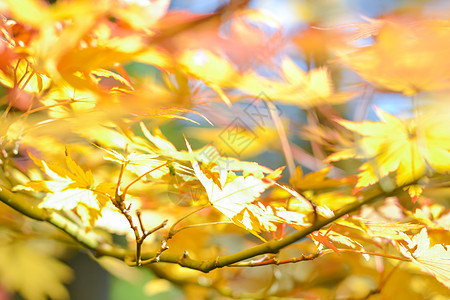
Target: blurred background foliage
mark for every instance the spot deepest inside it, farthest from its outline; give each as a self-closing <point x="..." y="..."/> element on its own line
<point x="297" y="37"/>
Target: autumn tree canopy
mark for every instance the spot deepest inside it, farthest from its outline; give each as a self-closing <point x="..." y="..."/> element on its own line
<point x="228" y="154"/>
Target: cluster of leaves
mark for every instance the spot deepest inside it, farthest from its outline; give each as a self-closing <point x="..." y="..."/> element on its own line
<point x="82" y="148"/>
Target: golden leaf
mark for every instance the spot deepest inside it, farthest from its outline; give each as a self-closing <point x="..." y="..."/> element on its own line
<point x="36" y="275"/>
<point x="408" y="148"/>
<point x="406" y="57"/>
<point x="434" y="260"/>
<point x="234" y="195"/>
<point x="213" y="69"/>
<point x="300" y="88"/>
<point x="315" y="180"/>
<point x="69" y="188"/>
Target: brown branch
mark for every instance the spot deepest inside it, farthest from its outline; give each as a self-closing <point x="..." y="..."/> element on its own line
<point x="275" y="261"/>
<point x="89" y="240"/>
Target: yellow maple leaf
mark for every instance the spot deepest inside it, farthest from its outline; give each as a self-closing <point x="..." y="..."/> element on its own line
<point x="333" y="200"/>
<point x="64" y="101"/>
<point x="233" y="195"/>
<point x="26" y="267"/>
<point x="207" y="154"/>
<point x="301" y="88"/>
<point x="216" y="71"/>
<point x="406" y="57"/>
<point x="434" y="260"/>
<point x="388" y="230"/>
<point x="138" y="163"/>
<point x="414" y="191"/>
<point x="409" y="148"/>
<point x="236" y="197"/>
<point x="315" y="180"/>
<point x="31" y="82"/>
<point x="70" y="188"/>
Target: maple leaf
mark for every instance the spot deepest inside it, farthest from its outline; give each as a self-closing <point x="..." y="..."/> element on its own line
<point x="322" y="238"/>
<point x="70" y="188"/>
<point x="406" y="57"/>
<point x="65" y="101"/>
<point x="434" y="217"/>
<point x="32" y="81"/>
<point x="315" y="180"/>
<point x="392" y="231"/>
<point x="213" y="69"/>
<point x="300" y="88"/>
<point x="75" y="38"/>
<point x="407" y="147"/>
<point x="234" y="196"/>
<point x="317" y="44"/>
<point x="434" y="260"/>
<point x="138" y="163"/>
<point x="27" y="267"/>
<point x="207" y="154"/>
<point x="414" y="191"/>
<point x="255" y="218"/>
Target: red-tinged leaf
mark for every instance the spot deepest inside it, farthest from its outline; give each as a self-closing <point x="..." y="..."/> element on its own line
<point x="323" y="239"/>
<point x="214" y="176"/>
<point x="414" y="191"/>
<point x="6" y="56"/>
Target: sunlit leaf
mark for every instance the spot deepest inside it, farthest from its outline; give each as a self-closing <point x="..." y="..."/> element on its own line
<point x="321" y="237"/>
<point x="407" y="147"/>
<point x="406" y="57"/>
<point x="214" y="70"/>
<point x="301" y="88"/>
<point x="315" y="180"/>
<point x="70" y="187"/>
<point x="434" y="260"/>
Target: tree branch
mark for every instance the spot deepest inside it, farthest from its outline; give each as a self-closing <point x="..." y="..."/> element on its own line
<point x="90" y="241"/>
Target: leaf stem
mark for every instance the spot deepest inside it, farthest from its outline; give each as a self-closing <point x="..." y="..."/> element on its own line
<point x="142" y="176"/>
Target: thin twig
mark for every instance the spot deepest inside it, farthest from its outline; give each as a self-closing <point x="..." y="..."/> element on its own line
<point x="275" y="261"/>
<point x="283" y="137"/>
<point x="172" y="230"/>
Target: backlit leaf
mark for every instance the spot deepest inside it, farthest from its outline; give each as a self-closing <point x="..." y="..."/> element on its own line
<point x="70" y="187"/>
<point x="434" y="260"/>
<point x="407" y="57"/>
<point x="407" y="147"/>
